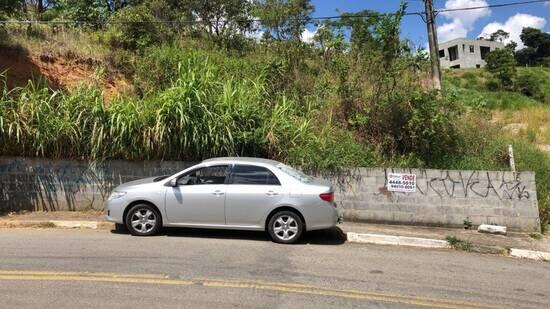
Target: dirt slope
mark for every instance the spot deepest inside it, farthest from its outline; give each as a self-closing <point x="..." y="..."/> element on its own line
<point x="58" y="71"/>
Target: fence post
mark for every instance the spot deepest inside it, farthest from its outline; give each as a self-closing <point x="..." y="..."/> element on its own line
<point x="511" y="158"/>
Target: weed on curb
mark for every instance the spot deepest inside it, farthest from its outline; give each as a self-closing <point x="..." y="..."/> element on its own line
<point x="459" y="244"/>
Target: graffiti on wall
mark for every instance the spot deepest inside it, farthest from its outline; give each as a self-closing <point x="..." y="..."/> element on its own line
<point x="49" y="185"/>
<point x="474" y="184"/>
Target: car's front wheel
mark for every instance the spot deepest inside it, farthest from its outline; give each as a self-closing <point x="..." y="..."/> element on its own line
<point x="285" y="227"/>
<point x="143" y="220"/>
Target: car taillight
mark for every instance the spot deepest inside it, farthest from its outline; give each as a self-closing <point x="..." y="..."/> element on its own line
<point x="329" y="197"/>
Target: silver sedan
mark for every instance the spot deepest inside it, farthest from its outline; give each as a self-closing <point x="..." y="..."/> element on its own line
<point x="227" y="193"/>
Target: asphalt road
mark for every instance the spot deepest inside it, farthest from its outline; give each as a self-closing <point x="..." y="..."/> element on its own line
<point x="53" y="268"/>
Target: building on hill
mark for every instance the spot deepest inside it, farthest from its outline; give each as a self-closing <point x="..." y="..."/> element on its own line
<point x="465" y="53"/>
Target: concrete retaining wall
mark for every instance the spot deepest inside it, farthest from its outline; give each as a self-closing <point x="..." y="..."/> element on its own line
<point x="442" y="197"/>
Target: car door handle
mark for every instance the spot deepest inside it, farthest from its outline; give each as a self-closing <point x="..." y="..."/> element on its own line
<point x="217" y="193"/>
<point x="271" y="193"/>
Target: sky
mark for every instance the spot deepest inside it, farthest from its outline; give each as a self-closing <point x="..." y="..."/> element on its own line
<point x="450" y="25"/>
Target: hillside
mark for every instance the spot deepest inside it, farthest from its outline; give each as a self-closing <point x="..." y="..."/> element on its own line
<point x="514" y="114"/>
<point x="189" y="97"/>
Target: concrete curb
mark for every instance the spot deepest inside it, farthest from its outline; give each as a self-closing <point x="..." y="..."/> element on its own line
<point x="529" y="254"/>
<point x="380" y="239"/>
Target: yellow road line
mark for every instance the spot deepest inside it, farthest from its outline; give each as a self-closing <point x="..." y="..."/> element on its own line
<point x="349" y="293"/>
<point x="242" y="284"/>
<point x="96" y="279"/>
<point x="98" y="274"/>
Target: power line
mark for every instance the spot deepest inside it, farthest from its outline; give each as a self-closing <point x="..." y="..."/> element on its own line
<point x="258" y="20"/>
<point x="490" y="6"/>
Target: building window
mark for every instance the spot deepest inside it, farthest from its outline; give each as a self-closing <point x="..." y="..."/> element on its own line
<point x="453" y="53"/>
<point x="472" y="49"/>
<point x="484" y="50"/>
<point x="441" y="53"/>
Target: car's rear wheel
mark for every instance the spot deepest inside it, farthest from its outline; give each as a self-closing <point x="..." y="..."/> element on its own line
<point x="143" y="220"/>
<point x="285" y="227"/>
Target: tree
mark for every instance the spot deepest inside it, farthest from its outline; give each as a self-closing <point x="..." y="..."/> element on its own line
<point x="222" y="18"/>
<point x="526" y="56"/>
<point x="511" y="46"/>
<point x="329" y="40"/>
<point x="530" y="84"/>
<point x="501" y="63"/>
<point x="537" y="47"/>
<point x="287" y="19"/>
<point x="83" y="12"/>
<point x="499" y="36"/>
<point x="10" y="7"/>
<point x="134" y="27"/>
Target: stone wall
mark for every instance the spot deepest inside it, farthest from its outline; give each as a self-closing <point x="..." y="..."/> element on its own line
<point x="442" y="197"/>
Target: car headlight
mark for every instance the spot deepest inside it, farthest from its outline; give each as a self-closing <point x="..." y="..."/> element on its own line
<point x="116" y="194"/>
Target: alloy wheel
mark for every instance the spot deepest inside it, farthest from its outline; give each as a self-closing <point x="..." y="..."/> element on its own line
<point x="285" y="228"/>
<point x="143" y="220"/>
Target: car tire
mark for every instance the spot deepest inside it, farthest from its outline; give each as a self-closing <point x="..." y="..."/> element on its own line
<point x="285" y="227"/>
<point x="143" y="220"/>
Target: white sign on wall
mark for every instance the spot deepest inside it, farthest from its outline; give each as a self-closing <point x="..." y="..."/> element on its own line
<point x="401" y="182"/>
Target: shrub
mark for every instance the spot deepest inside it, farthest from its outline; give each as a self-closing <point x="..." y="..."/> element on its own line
<point x="529" y="158"/>
<point x="501" y="63"/>
<point x="158" y="67"/>
<point x="530" y="84"/>
<point x="418" y="124"/>
<point x="492" y="84"/>
<point x="331" y="149"/>
<point x="458" y="243"/>
<point x="134" y="27"/>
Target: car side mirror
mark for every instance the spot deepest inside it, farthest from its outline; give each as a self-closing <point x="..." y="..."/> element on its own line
<point x="172" y="183"/>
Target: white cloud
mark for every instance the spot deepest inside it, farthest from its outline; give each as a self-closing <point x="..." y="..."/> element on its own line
<point x="452" y="30"/>
<point x="513" y="26"/>
<point x="307" y="35"/>
<point x="461" y="22"/>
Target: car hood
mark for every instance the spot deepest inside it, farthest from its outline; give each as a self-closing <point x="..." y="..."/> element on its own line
<point x="130" y="184"/>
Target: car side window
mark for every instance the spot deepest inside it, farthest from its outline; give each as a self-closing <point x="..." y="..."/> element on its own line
<point x="253" y="175"/>
<point x="210" y="175"/>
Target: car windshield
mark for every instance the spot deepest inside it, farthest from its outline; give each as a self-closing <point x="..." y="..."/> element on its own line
<point x="294" y="173"/>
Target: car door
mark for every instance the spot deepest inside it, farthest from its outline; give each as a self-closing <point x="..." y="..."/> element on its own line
<point x="198" y="197"/>
<point x="251" y="192"/>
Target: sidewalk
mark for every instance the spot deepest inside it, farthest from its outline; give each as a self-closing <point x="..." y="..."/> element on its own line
<point x="92" y="219"/>
<point x="511" y="240"/>
<point x="515" y="244"/>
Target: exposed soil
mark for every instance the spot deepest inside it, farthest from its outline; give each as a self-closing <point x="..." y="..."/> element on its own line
<point x="58" y="71"/>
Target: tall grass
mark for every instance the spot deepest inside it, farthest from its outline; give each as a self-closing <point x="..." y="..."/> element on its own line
<point x="198" y="115"/>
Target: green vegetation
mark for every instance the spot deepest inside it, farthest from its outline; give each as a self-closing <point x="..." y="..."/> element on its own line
<point x="537" y="50"/>
<point x="492" y="112"/>
<point x="502" y="65"/>
<point x="458" y="243"/>
<point x="356" y="95"/>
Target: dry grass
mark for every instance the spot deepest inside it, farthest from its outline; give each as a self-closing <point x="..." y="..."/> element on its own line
<point x="534" y="123"/>
<point x="57" y="40"/>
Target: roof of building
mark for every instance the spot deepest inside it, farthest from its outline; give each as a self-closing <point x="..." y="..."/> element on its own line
<point x="466" y="40"/>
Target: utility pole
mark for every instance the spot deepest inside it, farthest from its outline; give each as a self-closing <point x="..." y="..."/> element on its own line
<point x="434" y="47"/>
